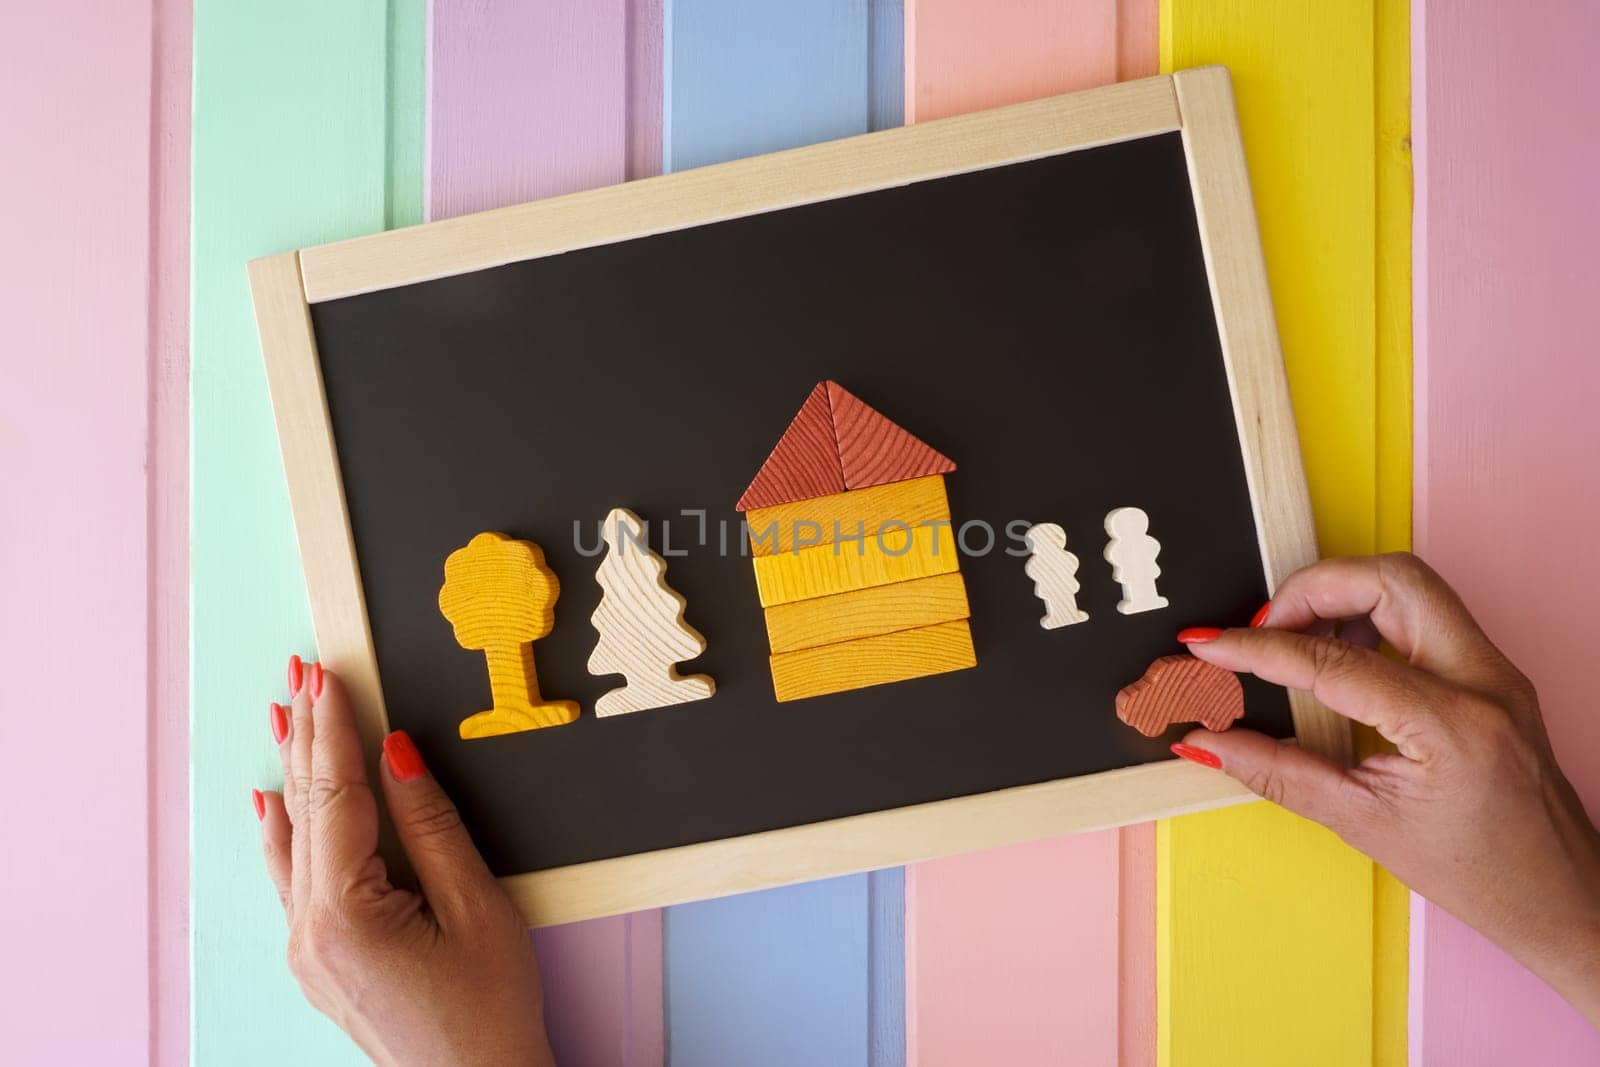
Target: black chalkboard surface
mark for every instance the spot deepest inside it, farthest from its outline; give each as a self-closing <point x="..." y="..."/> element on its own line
<point x="1066" y="297"/>
<point x="1046" y="324"/>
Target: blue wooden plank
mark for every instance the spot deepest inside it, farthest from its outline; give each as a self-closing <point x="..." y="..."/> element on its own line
<point x="812" y="973"/>
<point x="743" y="77"/>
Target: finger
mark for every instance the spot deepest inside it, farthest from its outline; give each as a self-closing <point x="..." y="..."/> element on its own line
<point x="1286" y="774"/>
<point x="1403" y="704"/>
<point x="296" y="753"/>
<point x="448" y="865"/>
<point x="276" y="845"/>
<point x="344" y="813"/>
<point x="1408" y="603"/>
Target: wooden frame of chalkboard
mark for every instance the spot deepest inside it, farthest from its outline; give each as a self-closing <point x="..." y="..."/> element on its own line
<point x="1198" y="103"/>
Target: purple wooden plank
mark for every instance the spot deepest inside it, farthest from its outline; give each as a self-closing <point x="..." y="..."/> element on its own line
<point x="527" y="101"/>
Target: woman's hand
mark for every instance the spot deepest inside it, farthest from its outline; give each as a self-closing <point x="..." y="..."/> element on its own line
<point x="1473" y="812"/>
<point x="441" y="976"/>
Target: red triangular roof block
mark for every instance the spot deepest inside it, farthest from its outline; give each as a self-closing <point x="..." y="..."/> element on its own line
<point x="875" y="451"/>
<point x="836" y="442"/>
<point x="805" y="461"/>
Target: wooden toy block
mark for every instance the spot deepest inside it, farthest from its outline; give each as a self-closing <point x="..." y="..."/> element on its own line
<point x="872" y="449"/>
<point x="640" y="621"/>
<point x="1181" y="689"/>
<point x="1132" y="552"/>
<point x="1054" y="571"/>
<point x="824" y="570"/>
<point x="893" y="657"/>
<point x="805" y="461"/>
<point x="915" y="503"/>
<point x="500" y="596"/>
<point x="881" y="609"/>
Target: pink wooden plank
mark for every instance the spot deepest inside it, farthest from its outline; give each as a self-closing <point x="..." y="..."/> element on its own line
<point x="528" y="101"/>
<point x="1507" y="494"/>
<point x="1047" y="949"/>
<point x="1011" y="955"/>
<point x="168" y="476"/>
<point x="75" y="531"/>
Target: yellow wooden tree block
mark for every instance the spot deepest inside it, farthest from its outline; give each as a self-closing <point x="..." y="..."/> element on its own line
<point x="869" y="661"/>
<point x="774" y="530"/>
<point x="824" y="570"/>
<point x="880" y="609"/>
<point x="499" y="596"/>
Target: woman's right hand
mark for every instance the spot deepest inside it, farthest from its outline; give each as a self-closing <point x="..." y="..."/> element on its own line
<point x="1472" y="812"/>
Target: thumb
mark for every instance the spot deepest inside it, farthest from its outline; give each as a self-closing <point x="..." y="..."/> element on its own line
<point x="1289" y="776"/>
<point x="448" y="866"/>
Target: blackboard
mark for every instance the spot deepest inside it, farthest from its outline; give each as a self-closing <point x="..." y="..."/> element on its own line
<point x="1049" y="323"/>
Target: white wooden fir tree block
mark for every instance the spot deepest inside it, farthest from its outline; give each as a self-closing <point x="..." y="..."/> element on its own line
<point x="640" y="621"/>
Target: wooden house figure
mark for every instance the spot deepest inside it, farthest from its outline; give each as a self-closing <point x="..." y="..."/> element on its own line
<point x="855" y="555"/>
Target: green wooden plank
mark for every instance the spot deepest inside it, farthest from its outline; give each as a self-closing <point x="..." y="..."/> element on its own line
<point x="294" y="144"/>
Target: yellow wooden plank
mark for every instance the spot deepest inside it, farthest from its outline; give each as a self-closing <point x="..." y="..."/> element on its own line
<point x="1275" y="942"/>
<point x="873" y="661"/>
<point x="881" y="609"/>
<point x="898" y="555"/>
<point x="917" y="502"/>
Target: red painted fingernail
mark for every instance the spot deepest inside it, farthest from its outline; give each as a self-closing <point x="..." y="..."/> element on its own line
<point x="1198" y="635"/>
<point x="260" y="802"/>
<point x="1197" y="755"/>
<point x="316" y="681"/>
<point x="405" y="762"/>
<point x="1259" y="619"/>
<point x="280" y="722"/>
<point x="296" y="676"/>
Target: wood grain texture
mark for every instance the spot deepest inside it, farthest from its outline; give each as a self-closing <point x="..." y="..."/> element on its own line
<point x="1132" y="553"/>
<point x="817" y="521"/>
<point x="805" y="461"/>
<point x="801" y="943"/>
<point x="1506" y="386"/>
<point x="310" y="80"/>
<point x="1181" y="689"/>
<point x="525" y="101"/>
<point x="869" y="661"/>
<point x="640" y="622"/>
<point x="1305" y="79"/>
<point x="892" y="554"/>
<point x="82" y="533"/>
<point x="874" y="450"/>
<point x="1054" y="571"/>
<point x="866" y="613"/>
<point x="962" y="57"/>
<point x="603" y="978"/>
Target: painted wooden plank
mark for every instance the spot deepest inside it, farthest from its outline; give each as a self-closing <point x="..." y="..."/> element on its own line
<point x="1238" y="891"/>
<point x="868" y="661"/>
<point x="527" y="101"/>
<point x="169" y="496"/>
<point x="75" y="205"/>
<point x="1015" y="974"/>
<point x="961" y="57"/>
<point x="786" y="527"/>
<point x="867" y="613"/>
<point x="290" y="118"/>
<point x="741" y="78"/>
<point x="897" y="554"/>
<point x="1505" y="393"/>
<point x="964" y="992"/>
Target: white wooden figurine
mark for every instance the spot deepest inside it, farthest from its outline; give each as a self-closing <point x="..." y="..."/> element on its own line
<point x="640" y="621"/>
<point x="1054" y="571"/>
<point x="1132" y="554"/>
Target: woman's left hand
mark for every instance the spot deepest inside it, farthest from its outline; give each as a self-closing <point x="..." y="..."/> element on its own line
<point x="442" y="975"/>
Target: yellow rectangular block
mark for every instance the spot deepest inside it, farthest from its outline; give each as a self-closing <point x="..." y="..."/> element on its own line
<point x="824" y="570"/>
<point x="881" y="609"/>
<point x="914" y="503"/>
<point x="877" y="660"/>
